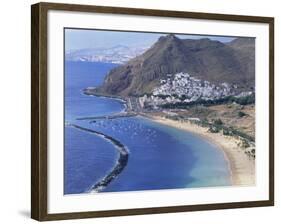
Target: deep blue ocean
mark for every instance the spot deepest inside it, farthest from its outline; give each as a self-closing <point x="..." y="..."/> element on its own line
<point x="160" y="157"/>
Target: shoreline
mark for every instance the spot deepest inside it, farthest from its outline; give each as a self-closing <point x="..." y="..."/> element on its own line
<point x="241" y="167"/>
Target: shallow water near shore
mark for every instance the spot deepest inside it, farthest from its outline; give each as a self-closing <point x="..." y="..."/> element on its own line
<point x="160" y="157"/>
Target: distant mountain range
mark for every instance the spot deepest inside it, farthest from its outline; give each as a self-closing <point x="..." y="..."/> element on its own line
<point x="204" y="59"/>
<point x="118" y="54"/>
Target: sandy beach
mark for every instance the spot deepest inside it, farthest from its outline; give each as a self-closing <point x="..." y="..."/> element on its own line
<point x="241" y="166"/>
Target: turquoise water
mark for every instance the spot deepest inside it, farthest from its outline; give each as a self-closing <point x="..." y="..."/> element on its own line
<point x="160" y="157"/>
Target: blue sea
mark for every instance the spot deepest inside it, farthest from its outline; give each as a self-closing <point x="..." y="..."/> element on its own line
<point x="160" y="157"/>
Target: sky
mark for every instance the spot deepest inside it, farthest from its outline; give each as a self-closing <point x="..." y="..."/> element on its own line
<point x="76" y="39"/>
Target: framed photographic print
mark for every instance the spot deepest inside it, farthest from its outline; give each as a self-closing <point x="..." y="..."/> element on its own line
<point x="138" y="111"/>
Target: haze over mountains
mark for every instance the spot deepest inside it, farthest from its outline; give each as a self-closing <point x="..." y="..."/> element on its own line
<point x="203" y="59"/>
<point x="118" y="54"/>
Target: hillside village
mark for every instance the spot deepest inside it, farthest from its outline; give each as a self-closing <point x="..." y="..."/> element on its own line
<point x="182" y="87"/>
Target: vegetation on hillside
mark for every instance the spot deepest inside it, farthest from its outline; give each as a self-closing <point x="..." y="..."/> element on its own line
<point x="226" y="100"/>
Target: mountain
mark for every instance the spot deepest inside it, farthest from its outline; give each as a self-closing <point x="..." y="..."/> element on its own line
<point x="204" y="59"/>
<point x="118" y="54"/>
<point x="244" y="49"/>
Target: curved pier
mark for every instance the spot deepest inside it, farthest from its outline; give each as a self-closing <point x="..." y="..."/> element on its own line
<point x="120" y="164"/>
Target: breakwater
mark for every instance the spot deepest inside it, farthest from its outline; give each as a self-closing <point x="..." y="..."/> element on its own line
<point x="120" y="164"/>
<point x="121" y="115"/>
